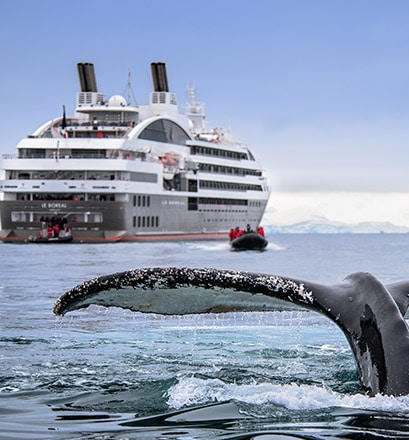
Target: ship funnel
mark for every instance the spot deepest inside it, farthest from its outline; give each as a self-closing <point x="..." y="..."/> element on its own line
<point x="159" y="77"/>
<point x="86" y="76"/>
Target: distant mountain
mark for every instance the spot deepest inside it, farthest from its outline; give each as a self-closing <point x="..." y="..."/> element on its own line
<point x="324" y="226"/>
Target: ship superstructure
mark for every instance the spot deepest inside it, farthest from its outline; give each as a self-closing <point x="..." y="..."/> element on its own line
<point x="115" y="171"/>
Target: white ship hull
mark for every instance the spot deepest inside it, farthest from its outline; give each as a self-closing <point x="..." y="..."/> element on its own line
<point x="114" y="172"/>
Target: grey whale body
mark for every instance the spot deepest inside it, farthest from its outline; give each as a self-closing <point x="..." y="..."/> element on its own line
<point x="370" y="314"/>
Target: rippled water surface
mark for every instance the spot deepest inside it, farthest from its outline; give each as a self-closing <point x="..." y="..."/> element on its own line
<point x="109" y="373"/>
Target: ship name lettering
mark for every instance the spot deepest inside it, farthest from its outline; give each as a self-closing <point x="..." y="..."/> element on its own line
<point x="55" y="205"/>
<point x="173" y="202"/>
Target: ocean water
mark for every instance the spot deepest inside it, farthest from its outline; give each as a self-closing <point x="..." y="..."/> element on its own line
<point x="113" y="374"/>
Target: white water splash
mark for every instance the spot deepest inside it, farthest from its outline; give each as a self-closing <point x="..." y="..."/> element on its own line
<point x="209" y="246"/>
<point x="193" y="391"/>
<point x="275" y="247"/>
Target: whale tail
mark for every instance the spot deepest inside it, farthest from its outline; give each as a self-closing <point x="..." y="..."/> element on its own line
<point x="369" y="314"/>
<point x="400" y="294"/>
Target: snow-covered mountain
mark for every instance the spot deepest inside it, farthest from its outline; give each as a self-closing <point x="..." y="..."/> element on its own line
<point x="320" y="225"/>
<point x="338" y="212"/>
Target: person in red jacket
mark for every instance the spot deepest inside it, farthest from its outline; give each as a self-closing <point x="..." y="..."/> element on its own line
<point x="260" y="230"/>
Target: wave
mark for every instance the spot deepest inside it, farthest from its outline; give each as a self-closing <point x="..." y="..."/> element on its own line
<point x="193" y="391"/>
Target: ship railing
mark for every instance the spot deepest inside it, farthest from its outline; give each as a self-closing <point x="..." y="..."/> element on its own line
<point x="65" y="156"/>
<point x="102" y="123"/>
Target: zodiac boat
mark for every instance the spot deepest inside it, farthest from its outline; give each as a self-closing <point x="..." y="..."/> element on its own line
<point x="49" y="240"/>
<point x="250" y="241"/>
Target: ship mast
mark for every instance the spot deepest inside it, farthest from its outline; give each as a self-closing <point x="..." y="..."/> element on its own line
<point x="128" y="90"/>
<point x="195" y="111"/>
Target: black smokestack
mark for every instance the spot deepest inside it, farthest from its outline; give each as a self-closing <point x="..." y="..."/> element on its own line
<point x="159" y="77"/>
<point x="86" y="76"/>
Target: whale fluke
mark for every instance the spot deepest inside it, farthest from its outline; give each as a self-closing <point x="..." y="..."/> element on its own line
<point x="370" y="314"/>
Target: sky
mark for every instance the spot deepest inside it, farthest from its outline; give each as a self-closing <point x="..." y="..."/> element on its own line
<point x="317" y="88"/>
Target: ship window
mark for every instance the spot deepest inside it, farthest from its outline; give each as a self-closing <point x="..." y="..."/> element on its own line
<point x="36" y="217"/>
<point x="211" y="201"/>
<point x="143" y="200"/>
<point x="215" y="151"/>
<point x="98" y="218"/>
<point x="229" y="186"/>
<point x="18" y="217"/>
<point x="192" y="204"/>
<point x="88" y="153"/>
<point x="164" y="130"/>
<point x="31" y="153"/>
<point x="192" y="186"/>
<point x="88" y="217"/>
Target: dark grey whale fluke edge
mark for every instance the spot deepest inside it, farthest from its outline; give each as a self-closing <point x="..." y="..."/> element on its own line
<point x="370" y="314"/>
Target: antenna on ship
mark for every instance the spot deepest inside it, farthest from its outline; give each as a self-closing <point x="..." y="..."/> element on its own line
<point x="128" y="90"/>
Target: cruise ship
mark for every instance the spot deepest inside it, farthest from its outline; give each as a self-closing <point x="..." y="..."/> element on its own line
<point x="117" y="171"/>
